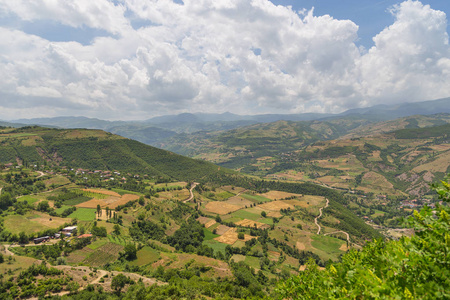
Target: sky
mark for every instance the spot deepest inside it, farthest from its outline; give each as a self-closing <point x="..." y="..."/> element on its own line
<point x="136" y="59"/>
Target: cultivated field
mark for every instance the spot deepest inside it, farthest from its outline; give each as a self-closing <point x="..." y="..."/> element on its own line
<point x="252" y="224"/>
<point x="221" y="208"/>
<point x="231" y="236"/>
<point x="276" y="206"/>
<point x="274" y="195"/>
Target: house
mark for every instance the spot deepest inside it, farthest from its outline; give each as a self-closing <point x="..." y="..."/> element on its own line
<point x="68" y="230"/>
<point x="41" y="239"/>
<point x="86" y="235"/>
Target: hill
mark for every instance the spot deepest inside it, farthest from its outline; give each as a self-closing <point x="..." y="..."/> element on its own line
<point x="95" y="149"/>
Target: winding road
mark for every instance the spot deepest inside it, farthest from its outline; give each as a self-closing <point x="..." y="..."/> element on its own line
<point x="190" y="191"/>
<point x="320" y="214"/>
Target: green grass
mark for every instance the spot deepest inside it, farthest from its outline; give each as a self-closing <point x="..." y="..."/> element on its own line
<point x="29" y="199"/>
<point x="77" y="200"/>
<point x="123" y="192"/>
<point x="62" y="208"/>
<point x="16" y="224"/>
<point x="117" y="240"/>
<point x="209" y="235"/>
<point x="243" y="214"/>
<point x="91" y="195"/>
<point x="255" y="198"/>
<point x="84" y="214"/>
<point x="217" y="246"/>
<point x="328" y="246"/>
<point x="223" y="195"/>
<point x="145" y="256"/>
<point x="252" y="262"/>
<point x="97" y="244"/>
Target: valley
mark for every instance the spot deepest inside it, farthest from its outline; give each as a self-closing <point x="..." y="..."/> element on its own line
<point x="280" y="196"/>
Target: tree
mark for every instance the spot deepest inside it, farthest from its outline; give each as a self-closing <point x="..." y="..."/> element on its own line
<point x="130" y="252"/>
<point x="116" y="229"/>
<point x="23" y="238"/>
<point x="43" y="206"/>
<point x="413" y="267"/>
<point x="99" y="211"/>
<point x="6" y="200"/>
<point x="118" y="282"/>
<point x="263" y="214"/>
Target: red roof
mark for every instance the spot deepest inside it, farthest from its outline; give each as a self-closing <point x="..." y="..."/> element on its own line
<point x="84" y="235"/>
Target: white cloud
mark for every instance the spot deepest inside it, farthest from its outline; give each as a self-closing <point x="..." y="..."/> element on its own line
<point x="213" y="56"/>
<point x="101" y="14"/>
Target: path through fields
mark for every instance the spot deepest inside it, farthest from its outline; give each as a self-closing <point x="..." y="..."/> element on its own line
<point x="320" y="214"/>
<point x="190" y="191"/>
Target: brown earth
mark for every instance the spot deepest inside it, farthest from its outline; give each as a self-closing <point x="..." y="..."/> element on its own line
<point x="231" y="236"/>
<point x="275" y="206"/>
<point x="221" y="229"/>
<point x="221" y="208"/>
<point x="250" y="223"/>
<point x="274" y="195"/>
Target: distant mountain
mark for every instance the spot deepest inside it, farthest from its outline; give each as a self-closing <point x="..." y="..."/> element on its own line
<point x="162" y="131"/>
<point x="390" y="112"/>
<point x="72" y="122"/>
<point x="230" y="117"/>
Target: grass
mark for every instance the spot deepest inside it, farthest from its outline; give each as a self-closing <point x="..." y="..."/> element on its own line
<point x="84" y="214"/>
<point x="209" y="235"/>
<point x="62" y="208"/>
<point x="77" y="200"/>
<point x="223" y="195"/>
<point x="145" y="256"/>
<point x="117" y="240"/>
<point x="252" y="262"/>
<point x="244" y="214"/>
<point x="123" y="192"/>
<point x="217" y="246"/>
<point x="97" y="244"/>
<point x="255" y="198"/>
<point x="16" y="224"/>
<point x="91" y="195"/>
<point x="328" y="246"/>
<point x="57" y="181"/>
<point x="29" y="199"/>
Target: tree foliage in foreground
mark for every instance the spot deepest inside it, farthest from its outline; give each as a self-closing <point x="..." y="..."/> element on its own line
<point x="416" y="267"/>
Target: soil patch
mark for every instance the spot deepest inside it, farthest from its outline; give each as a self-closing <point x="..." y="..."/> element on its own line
<point x="252" y="224"/>
<point x="221" y="229"/>
<point x="241" y="202"/>
<point x="231" y="236"/>
<point x="221" y="208"/>
<point x="275" y="206"/>
<point x="274" y="195"/>
<point x="300" y="246"/>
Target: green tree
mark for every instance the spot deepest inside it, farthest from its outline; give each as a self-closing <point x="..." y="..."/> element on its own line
<point x="43" y="206"/>
<point x="23" y="238"/>
<point x="130" y="251"/>
<point x="116" y="229"/>
<point x="414" y="267"/>
<point x="99" y="211"/>
<point x="118" y="282"/>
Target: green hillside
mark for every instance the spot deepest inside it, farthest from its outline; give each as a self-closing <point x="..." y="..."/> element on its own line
<point x="95" y="149"/>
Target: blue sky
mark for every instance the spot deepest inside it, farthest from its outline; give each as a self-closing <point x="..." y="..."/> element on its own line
<point x="134" y="59"/>
<point x="372" y="16"/>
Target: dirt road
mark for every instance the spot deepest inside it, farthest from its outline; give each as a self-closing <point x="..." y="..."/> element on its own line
<point x="320" y="214"/>
<point x="190" y="191"/>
